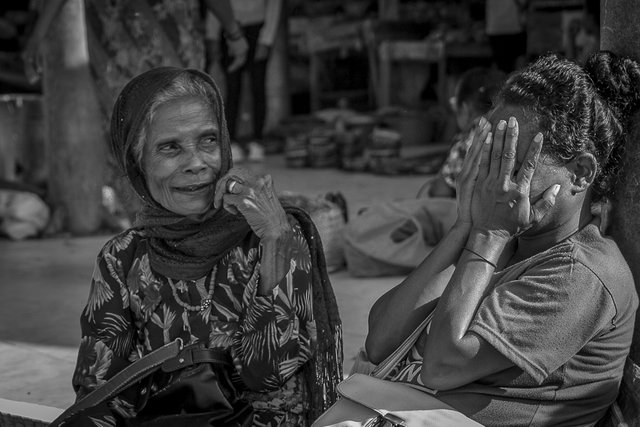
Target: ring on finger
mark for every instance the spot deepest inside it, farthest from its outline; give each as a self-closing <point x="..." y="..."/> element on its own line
<point x="231" y="184"/>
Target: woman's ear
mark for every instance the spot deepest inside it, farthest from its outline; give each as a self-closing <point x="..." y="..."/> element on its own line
<point x="583" y="168"/>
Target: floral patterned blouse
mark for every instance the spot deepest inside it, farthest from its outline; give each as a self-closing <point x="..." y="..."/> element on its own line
<point x="131" y="311"/>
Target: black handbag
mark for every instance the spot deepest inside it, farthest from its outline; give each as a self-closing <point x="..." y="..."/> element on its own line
<point x="193" y="388"/>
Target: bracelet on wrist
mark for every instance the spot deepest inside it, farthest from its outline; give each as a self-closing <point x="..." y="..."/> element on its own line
<point x="480" y="257"/>
<point x="236" y="35"/>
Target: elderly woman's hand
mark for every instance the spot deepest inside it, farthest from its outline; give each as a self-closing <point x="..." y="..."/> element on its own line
<point x="501" y="202"/>
<point x="242" y="192"/>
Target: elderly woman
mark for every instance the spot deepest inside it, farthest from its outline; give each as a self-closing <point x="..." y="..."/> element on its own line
<point x="534" y="325"/>
<point x="214" y="259"/>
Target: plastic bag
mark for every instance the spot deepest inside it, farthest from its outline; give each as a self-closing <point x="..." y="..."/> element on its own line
<point x="370" y="250"/>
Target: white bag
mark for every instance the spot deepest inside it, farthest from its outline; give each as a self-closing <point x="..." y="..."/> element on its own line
<point x="368" y="401"/>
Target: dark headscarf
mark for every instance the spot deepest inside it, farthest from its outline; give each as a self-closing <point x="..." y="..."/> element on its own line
<point x="179" y="247"/>
<point x="184" y="248"/>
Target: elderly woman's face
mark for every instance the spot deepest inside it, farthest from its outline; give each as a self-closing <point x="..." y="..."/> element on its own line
<point x="181" y="157"/>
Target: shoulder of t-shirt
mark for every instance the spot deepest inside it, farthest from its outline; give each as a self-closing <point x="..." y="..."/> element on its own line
<point x="601" y="255"/>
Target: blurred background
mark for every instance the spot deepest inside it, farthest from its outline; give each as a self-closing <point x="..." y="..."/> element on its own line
<point x="358" y="110"/>
<point x="338" y="71"/>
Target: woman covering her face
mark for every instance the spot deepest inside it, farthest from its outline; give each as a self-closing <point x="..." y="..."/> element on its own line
<point x="213" y="259"/>
<point x="535" y="324"/>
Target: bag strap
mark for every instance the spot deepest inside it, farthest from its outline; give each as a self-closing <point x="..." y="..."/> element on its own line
<point x="384" y="367"/>
<point x="194" y="355"/>
<point x="123" y="379"/>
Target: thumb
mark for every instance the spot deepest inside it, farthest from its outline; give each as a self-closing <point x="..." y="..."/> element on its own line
<point x="542" y="206"/>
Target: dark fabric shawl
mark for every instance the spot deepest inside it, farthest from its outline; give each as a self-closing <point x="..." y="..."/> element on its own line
<point x="187" y="248"/>
<point x="324" y="372"/>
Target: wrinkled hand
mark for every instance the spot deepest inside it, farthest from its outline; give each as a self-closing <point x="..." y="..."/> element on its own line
<point x="238" y="50"/>
<point x="466" y="180"/>
<point x="501" y="201"/>
<point x="243" y="193"/>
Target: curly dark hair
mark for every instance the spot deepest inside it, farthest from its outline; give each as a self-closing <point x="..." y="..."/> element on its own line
<point x="580" y="109"/>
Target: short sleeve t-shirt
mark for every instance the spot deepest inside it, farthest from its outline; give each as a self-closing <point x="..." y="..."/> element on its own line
<point x="565" y="318"/>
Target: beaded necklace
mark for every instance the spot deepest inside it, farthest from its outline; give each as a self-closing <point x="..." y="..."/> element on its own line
<point x="205" y="302"/>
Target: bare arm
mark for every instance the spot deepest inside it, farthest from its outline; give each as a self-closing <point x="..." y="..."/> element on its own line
<point x="398" y="312"/>
<point x="31" y="53"/>
<point x="236" y="42"/>
<point x="453" y="355"/>
<point x="271" y="22"/>
<point x="223" y="11"/>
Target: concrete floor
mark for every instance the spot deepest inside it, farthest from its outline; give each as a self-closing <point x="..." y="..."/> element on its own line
<point x="44" y="284"/>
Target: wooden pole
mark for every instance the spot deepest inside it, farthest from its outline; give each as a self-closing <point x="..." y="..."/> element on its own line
<point x="72" y="122"/>
<point x="278" y="94"/>
<point x="620" y="33"/>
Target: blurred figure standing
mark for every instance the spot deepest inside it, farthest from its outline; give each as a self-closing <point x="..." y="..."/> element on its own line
<point x="259" y="20"/>
<point x="128" y="37"/>
<point x="507" y="32"/>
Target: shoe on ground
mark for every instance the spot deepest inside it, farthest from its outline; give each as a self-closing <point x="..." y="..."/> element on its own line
<point x="256" y="152"/>
<point x="237" y="153"/>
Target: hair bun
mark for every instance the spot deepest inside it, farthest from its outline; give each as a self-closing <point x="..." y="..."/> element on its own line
<point x="617" y="80"/>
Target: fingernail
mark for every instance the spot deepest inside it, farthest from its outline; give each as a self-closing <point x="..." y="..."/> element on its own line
<point x="555" y="189"/>
<point x="538" y="137"/>
<point x="482" y="122"/>
<point x="502" y="125"/>
<point x="489" y="137"/>
<point x="512" y="122"/>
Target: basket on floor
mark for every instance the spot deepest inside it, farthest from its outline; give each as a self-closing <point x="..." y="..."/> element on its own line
<point x="330" y="221"/>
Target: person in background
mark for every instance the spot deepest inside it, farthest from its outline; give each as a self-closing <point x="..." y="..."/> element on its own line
<point x="535" y="324"/>
<point x="473" y="97"/>
<point x="393" y="237"/>
<point x="126" y="38"/>
<point x="506" y="30"/>
<point x="260" y="20"/>
<point x="583" y="38"/>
